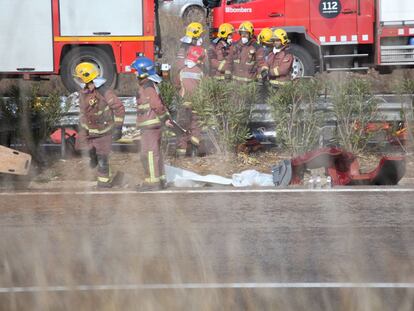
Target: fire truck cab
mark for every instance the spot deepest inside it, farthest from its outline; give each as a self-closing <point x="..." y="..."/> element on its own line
<point x="329" y="35"/>
<point x="53" y="36"/>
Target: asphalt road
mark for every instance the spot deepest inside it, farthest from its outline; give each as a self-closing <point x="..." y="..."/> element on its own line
<point x="208" y="250"/>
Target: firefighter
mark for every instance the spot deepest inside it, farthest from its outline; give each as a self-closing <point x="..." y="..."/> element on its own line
<point x="187" y="118"/>
<point x="246" y="55"/>
<point x="279" y="62"/>
<point x="151" y="116"/>
<point x="265" y="40"/>
<point x="192" y="37"/>
<point x="218" y="53"/>
<point x="101" y="119"/>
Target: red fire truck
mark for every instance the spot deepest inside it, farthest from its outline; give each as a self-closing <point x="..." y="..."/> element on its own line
<point x="331" y="34"/>
<point x="52" y="36"/>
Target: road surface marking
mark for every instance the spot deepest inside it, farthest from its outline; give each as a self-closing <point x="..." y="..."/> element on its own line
<point x="182" y="191"/>
<point x="34" y="289"/>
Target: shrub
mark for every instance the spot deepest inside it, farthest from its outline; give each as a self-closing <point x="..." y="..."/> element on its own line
<point x="31" y="117"/>
<point x="405" y="87"/>
<point x="354" y="107"/>
<point x="224" y="108"/>
<point x="169" y="94"/>
<point x="295" y="111"/>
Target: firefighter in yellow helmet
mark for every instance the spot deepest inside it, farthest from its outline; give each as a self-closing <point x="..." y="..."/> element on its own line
<point x="246" y="55"/>
<point x="192" y="37"/>
<point x="219" y="50"/>
<point x="265" y="40"/>
<point x="279" y="62"/>
<point x="100" y="120"/>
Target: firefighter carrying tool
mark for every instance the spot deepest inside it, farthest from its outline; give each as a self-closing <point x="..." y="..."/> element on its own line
<point x="101" y="118"/>
<point x="151" y="115"/>
<point x="187" y="117"/>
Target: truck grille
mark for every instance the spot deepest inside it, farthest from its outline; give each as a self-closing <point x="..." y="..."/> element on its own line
<point x="397" y="54"/>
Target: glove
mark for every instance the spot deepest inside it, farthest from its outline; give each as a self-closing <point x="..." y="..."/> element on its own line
<point x="117" y="133"/>
<point x="264" y="74"/>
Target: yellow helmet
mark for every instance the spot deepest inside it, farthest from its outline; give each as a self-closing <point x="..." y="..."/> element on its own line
<point x="265" y="36"/>
<point x="87" y="72"/>
<point x="225" y="30"/>
<point x="281" y="35"/>
<point x="247" y="26"/>
<point x="194" y="30"/>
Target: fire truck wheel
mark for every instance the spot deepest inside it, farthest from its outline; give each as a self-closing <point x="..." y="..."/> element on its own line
<point x="86" y="54"/>
<point x="303" y="64"/>
<point x="194" y="14"/>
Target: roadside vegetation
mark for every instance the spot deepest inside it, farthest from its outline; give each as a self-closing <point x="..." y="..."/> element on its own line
<point x="298" y="120"/>
<point x="29" y="119"/>
<point x="354" y="108"/>
<point x="224" y="109"/>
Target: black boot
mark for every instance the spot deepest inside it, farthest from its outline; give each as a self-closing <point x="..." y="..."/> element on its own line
<point x="103" y="172"/>
<point x="93" y="158"/>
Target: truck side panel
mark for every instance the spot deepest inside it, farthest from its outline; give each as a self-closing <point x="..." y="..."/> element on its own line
<point x="108" y="18"/>
<point x="297" y="13"/>
<point x="26" y="38"/>
<point x="396" y="11"/>
<point x="333" y="21"/>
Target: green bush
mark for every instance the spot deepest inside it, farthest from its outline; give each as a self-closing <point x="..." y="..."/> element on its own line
<point x="354" y="107"/>
<point x="224" y="109"/>
<point x="404" y="87"/>
<point x="297" y="118"/>
<point x="31" y="117"/>
<point x="169" y="94"/>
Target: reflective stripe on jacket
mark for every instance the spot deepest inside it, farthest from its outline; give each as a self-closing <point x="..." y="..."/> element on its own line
<point x="280" y="65"/>
<point x="218" y="55"/>
<point x="246" y="59"/>
<point x="151" y="112"/>
<point x="189" y="80"/>
<point x="100" y="113"/>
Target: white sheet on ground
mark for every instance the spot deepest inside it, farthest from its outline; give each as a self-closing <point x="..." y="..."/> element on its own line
<point x="252" y="178"/>
<point x="184" y="178"/>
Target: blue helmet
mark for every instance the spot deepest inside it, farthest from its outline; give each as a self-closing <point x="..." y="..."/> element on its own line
<point x="145" y="67"/>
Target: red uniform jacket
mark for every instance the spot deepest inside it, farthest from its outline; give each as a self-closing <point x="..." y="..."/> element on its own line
<point x="246" y="59"/>
<point x="100" y="113"/>
<point x="279" y="66"/>
<point x="190" y="79"/>
<point x="151" y="111"/>
<point x="180" y="61"/>
<point x="218" y="55"/>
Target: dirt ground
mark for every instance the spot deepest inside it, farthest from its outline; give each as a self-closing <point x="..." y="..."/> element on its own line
<point x="74" y="171"/>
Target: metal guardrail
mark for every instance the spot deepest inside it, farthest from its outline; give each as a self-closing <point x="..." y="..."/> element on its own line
<point x="71" y="116"/>
<point x="390" y="108"/>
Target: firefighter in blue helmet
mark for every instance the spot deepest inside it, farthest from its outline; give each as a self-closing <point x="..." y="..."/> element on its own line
<point x="152" y="114"/>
